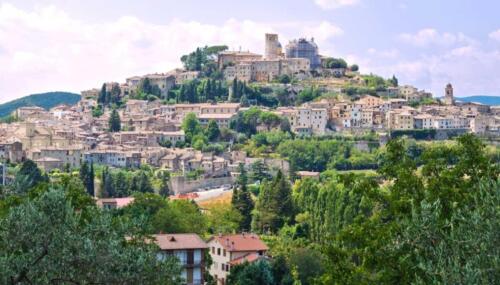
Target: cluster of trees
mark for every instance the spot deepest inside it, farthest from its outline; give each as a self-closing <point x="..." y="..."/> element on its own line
<point x="108" y="98"/>
<point x="147" y="91"/>
<point x="53" y="233"/>
<point x="200" y="91"/>
<point x="204" y="60"/>
<point x="322" y="154"/>
<point x="252" y="94"/>
<point x="247" y="122"/>
<point x="372" y="85"/>
<point x="434" y="221"/>
<point x="308" y="94"/>
<point x="334" y="63"/>
<point x="123" y="183"/>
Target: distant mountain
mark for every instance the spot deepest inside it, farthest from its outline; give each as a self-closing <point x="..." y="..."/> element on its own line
<point x="487" y="100"/>
<point x="44" y="100"/>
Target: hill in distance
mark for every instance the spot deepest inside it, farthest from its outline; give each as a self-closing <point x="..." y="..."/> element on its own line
<point x="487" y="100"/>
<point x="44" y="100"/>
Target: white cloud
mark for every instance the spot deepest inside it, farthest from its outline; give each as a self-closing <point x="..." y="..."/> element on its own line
<point x="472" y="69"/>
<point x="334" y="4"/>
<point x="429" y="36"/>
<point x="322" y="32"/>
<point x="46" y="49"/>
<point x="495" y="35"/>
<point x="389" y="53"/>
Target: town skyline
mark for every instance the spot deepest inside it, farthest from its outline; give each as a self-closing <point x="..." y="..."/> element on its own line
<point x="79" y="46"/>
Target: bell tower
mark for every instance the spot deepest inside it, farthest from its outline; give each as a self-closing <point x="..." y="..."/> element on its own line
<point x="448" y="95"/>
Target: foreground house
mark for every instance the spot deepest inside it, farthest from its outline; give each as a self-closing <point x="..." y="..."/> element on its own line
<point x="230" y="250"/>
<point x="189" y="249"/>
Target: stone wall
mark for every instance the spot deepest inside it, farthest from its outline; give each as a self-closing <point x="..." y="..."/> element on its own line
<point x="181" y="185"/>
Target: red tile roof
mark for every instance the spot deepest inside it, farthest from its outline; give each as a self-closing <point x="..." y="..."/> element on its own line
<point x="179" y="241"/>
<point x="251" y="257"/>
<point x="241" y="242"/>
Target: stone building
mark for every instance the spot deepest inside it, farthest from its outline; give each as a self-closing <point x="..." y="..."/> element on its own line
<point x="303" y="48"/>
<point x="448" y="95"/>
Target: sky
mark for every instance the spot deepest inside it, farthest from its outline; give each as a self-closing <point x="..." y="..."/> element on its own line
<point x="70" y="45"/>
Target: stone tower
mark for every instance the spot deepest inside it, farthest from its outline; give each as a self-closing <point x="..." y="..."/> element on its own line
<point x="273" y="47"/>
<point x="448" y="95"/>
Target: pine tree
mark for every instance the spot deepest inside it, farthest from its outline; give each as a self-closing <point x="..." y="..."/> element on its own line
<point x="114" y="121"/>
<point x="242" y="200"/>
<point x="274" y="207"/>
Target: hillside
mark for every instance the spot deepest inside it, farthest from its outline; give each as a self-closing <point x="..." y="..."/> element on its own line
<point x="487" y="100"/>
<point x="44" y="100"/>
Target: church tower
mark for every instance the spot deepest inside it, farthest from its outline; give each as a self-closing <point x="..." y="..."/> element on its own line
<point x="448" y="95"/>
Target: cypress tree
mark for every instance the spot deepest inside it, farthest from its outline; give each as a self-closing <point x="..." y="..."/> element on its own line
<point x="114" y="121"/>
<point x="274" y="207"/>
<point x="235" y="90"/>
<point x="242" y="200"/>
<point x="90" y="185"/>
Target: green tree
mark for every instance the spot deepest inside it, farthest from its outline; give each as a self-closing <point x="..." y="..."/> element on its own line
<point x="114" y="121"/>
<point x="115" y="94"/>
<point x="120" y="184"/>
<point x="107" y="189"/>
<point x="213" y="131"/>
<point x="45" y="241"/>
<point x="284" y="78"/>
<point x="258" y="273"/>
<point x="242" y="199"/>
<point x="143" y="183"/>
<point x="274" y="207"/>
<point x="191" y="126"/>
<point x="259" y="171"/>
<point x="180" y="216"/>
<point x="87" y="177"/>
<point x="335" y="63"/>
<point x="103" y="95"/>
<point x="223" y="218"/>
<point x="29" y="175"/>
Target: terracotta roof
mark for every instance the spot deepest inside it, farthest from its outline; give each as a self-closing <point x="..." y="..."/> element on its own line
<point x="241" y="242"/>
<point x="251" y="257"/>
<point x="179" y="241"/>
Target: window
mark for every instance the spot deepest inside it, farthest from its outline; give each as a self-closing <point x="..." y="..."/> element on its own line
<point x="218" y="251"/>
<point x="223" y="267"/>
<point x="213" y="250"/>
<point x="224" y="252"/>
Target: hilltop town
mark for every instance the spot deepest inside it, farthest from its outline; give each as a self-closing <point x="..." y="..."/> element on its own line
<point x="303" y="92"/>
<point x="231" y="127"/>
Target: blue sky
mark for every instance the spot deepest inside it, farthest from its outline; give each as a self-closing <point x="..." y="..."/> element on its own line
<point x="75" y="45"/>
